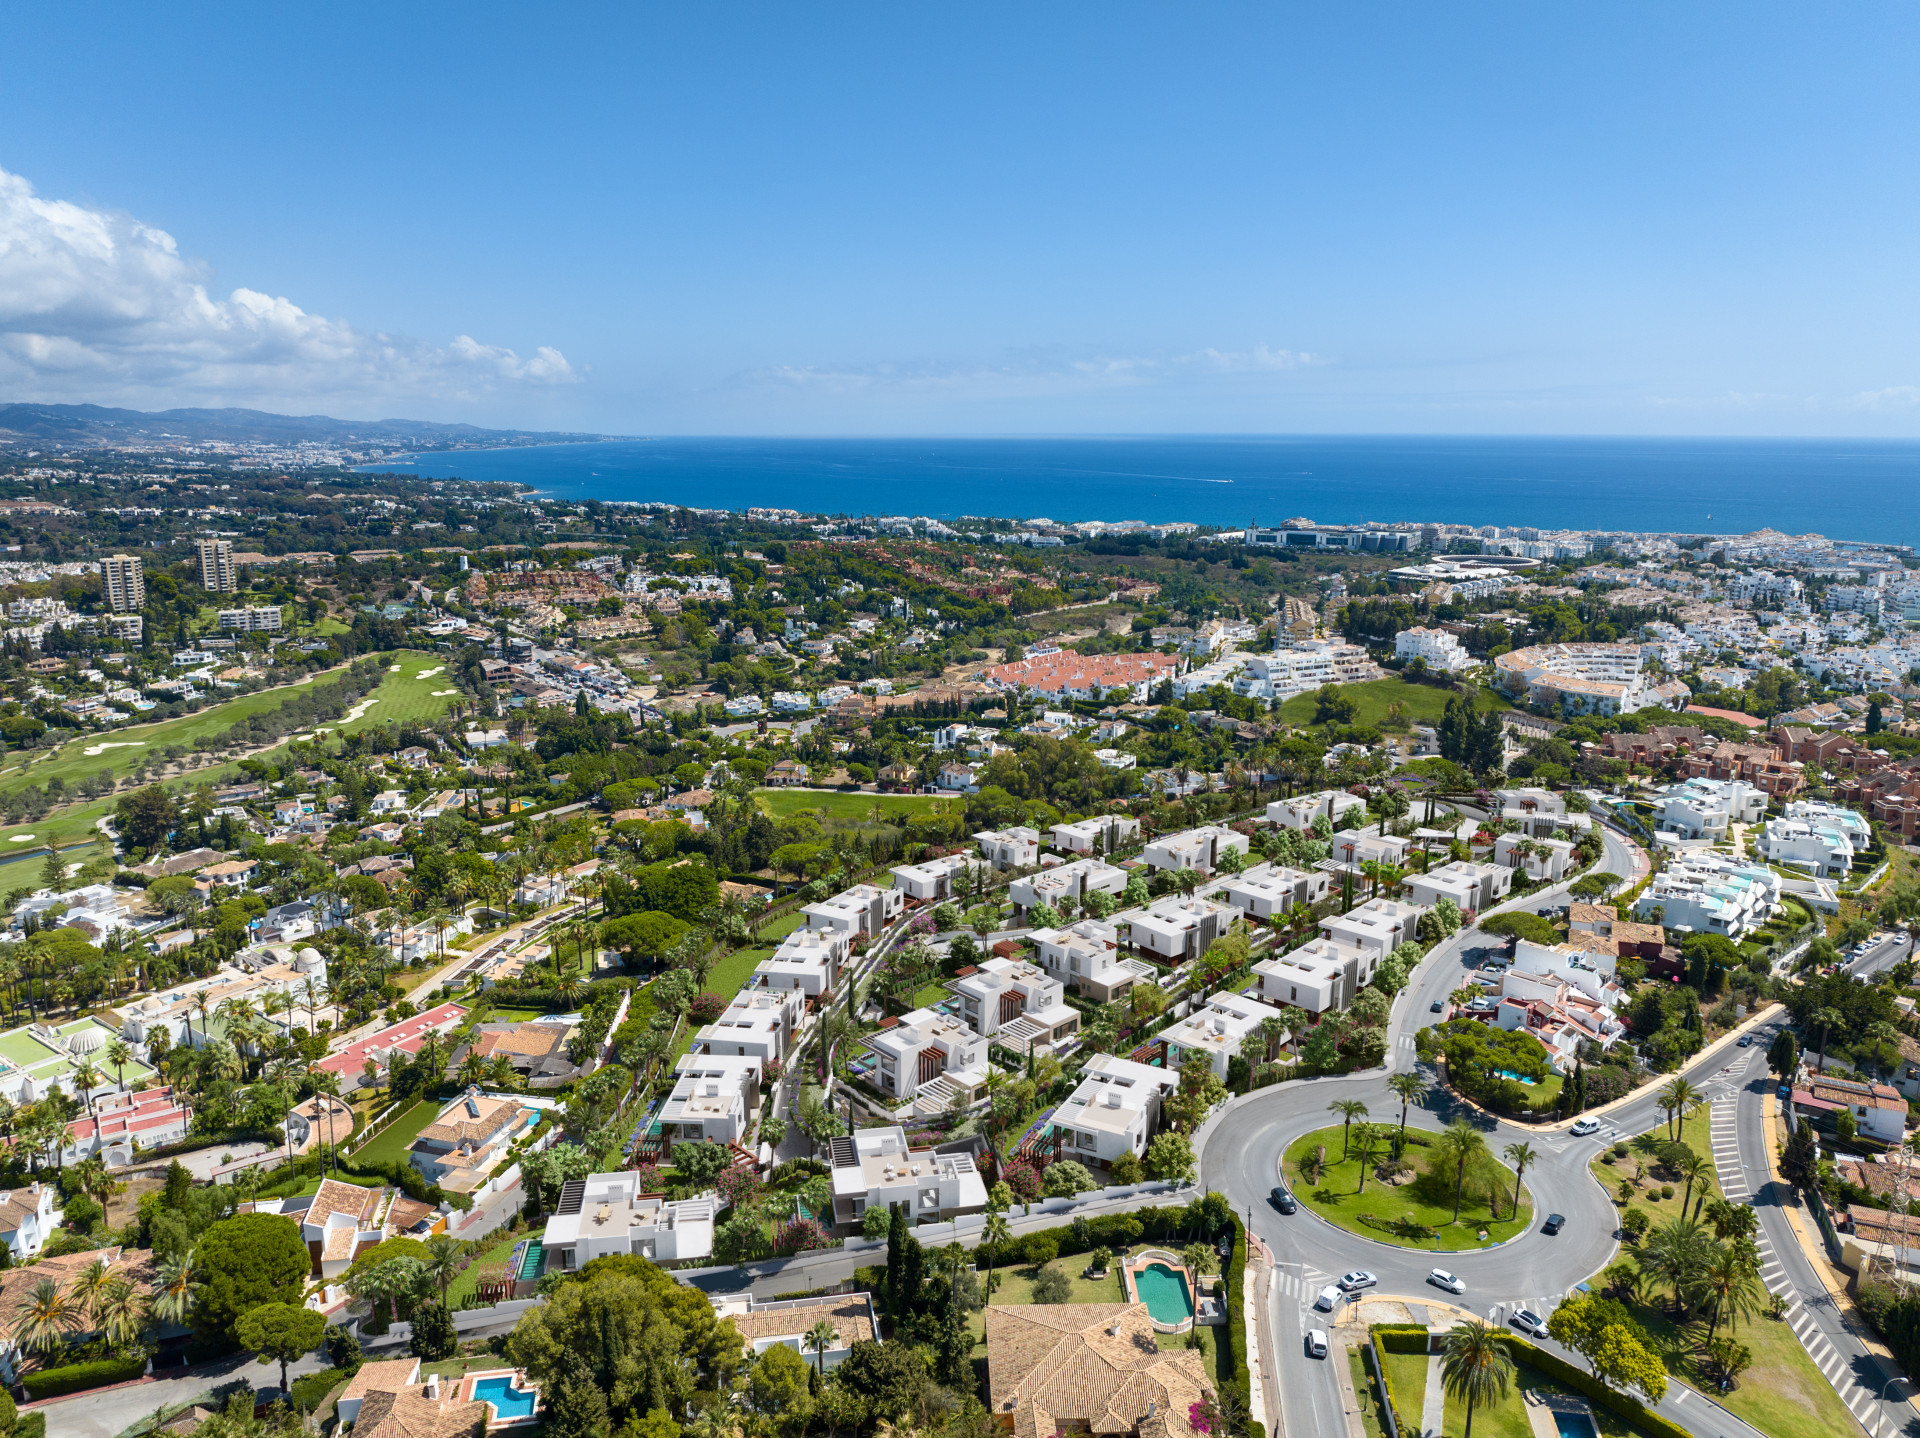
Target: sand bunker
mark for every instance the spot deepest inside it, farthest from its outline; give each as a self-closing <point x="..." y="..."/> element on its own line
<point x="361" y="708"/>
<point x="443" y="693"/>
<point x="429" y="673"/>
<point x="93" y="751"/>
<point x="21" y="839"/>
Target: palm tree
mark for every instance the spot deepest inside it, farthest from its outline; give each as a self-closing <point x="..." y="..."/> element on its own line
<point x="119" y="1313"/>
<point x="1476" y="1365"/>
<point x="119" y="1055"/>
<point x="1349" y="1109"/>
<point x="1730" y="1285"/>
<point x="1464" y="1143"/>
<point x="86" y="1078"/>
<point x="1519" y="1155"/>
<point x="1695" y="1168"/>
<point x="1409" y="1088"/>
<point x="1678" y="1099"/>
<point x="992" y="1236"/>
<point x="1676" y="1253"/>
<point x="1824" y="1020"/>
<point x="442" y="1261"/>
<point x="1365" y="1137"/>
<point x="45" y="1319"/>
<point x="817" y="1340"/>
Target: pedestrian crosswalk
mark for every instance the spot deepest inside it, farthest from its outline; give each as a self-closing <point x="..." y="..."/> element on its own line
<point x="1300" y="1281"/>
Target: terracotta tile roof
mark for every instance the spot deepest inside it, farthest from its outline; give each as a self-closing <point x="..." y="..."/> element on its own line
<point x="409" y="1413"/>
<point x="134" y="1264"/>
<point x="17" y="1205"/>
<point x="529" y="1040"/>
<point x="457" y="1125"/>
<point x="1063" y="1366"/>
<point x="381" y="1375"/>
<point x="851" y="1319"/>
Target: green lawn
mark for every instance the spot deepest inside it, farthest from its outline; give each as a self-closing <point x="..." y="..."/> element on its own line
<point x="1423" y="702"/>
<point x="392" y="1143"/>
<point x="730" y="975"/>
<point x="1407" y="1373"/>
<point x="1784" y="1394"/>
<point x="849" y="807"/>
<point x="775" y="929"/>
<point x="1341" y="1179"/>
<point x="467" y="1283"/>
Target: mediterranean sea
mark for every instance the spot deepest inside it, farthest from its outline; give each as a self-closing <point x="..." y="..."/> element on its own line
<point x="1845" y="489"/>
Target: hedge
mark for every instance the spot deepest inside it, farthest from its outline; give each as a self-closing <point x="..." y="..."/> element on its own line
<point x="1624" y="1405"/>
<point x="1400" y="1337"/>
<point x="1235" y="1336"/>
<point x="57" y="1382"/>
<point x="30" y="1425"/>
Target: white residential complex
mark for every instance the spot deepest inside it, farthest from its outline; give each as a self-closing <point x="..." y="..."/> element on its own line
<point x="1585" y="679"/>
<point x="1115" y="1109"/>
<point x="1703" y="808"/>
<point x="1709" y="893"/>
<point x="1436" y="648"/>
<point x="606" y="1214"/>
<point x="1194" y="849"/>
<point x="874" y="1168"/>
<point x="1300" y="812"/>
<point x="1086" y="958"/>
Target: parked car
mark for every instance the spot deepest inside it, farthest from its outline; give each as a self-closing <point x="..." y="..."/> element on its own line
<point x="1328" y="1300"/>
<point x="1440" y="1278"/>
<point x="1357" y="1280"/>
<point x="1438" y="1005"/>
<point x="1285" y="1201"/>
<point x="1785" y="1091"/>
<point x="1746" y="1041"/>
<point x="1584" y="1126"/>
<point x="1527" y="1321"/>
<point x="1316" y="1343"/>
<point x="1555" y="1222"/>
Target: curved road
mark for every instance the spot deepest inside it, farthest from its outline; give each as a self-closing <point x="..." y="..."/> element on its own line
<point x="1240" y="1158"/>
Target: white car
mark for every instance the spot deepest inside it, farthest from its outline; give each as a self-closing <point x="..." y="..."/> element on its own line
<point x="1357" y="1280"/>
<point x="1328" y="1300"/>
<point x="1316" y="1343"/>
<point x="1440" y="1278"/>
<point x="1582" y="1127"/>
<point x="1527" y="1321"/>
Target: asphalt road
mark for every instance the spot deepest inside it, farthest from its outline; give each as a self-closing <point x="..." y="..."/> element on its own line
<point x="1241" y="1157"/>
<point x="1884" y="955"/>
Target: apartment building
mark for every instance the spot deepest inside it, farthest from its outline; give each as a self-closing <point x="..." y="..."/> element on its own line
<point x="1086" y="958"/>
<point x="808" y="960"/>
<point x="1269" y="891"/>
<point x="1708" y="893"/>
<point x="1472" y="886"/>
<point x="1016" y="1004"/>
<point x="1199" y="849"/>
<point x="606" y="1214"/>
<point x="1114" y="1109"/>
<point x="1299" y="812"/>
<point x="1101" y="834"/>
<point x="875" y="1168"/>
<point x="1215" y="1030"/>
<point x="860" y="912"/>
<point x="1017" y="848"/>
<point x="1074" y="880"/>
<point x="216" y="566"/>
<point x="1848" y="822"/>
<point x="1704" y="808"/>
<point x="1811" y="846"/>
<point x="759" y="1023"/>
<point x="1435" y="648"/>
<point x="715" y="1097"/>
<point x="1319" y="977"/>
<point x="263" y="619"/>
<point x="1381" y="925"/>
<point x="1354" y="847"/>
<point x="1584" y="679"/>
<point x="124" y="582"/>
<point x="1176" y="930"/>
<point x="929" y="1058"/>
<point x="1551" y="864"/>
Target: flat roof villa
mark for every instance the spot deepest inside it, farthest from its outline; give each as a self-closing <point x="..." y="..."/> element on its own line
<point x="808" y="960"/>
<point x="607" y="1213"/>
<point x="1114" y="1109"/>
<point x="1016" y="848"/>
<point x="1086" y="958"/>
<point x="1266" y="891"/>
<point x="874" y="1168"/>
<point x="252" y="975"/>
<point x="714" y="1097"/>
<point x="928" y="1058"/>
<point x="1299" y="812"/>
<point x="1707" y="893"/>
<point x="1016" y="1004"/>
<point x="1319" y="977"/>
<point x="1073" y="880"/>
<point x="931" y="880"/>
<point x="1176" y="930"/>
<point x="1102" y="832"/>
<point x="860" y="911"/>
<point x="1216" y="1030"/>
<point x="1199" y="848"/>
<point x="759" y="1023"/>
<point x="37" y="1058"/>
<point x="1471" y="886"/>
<point x="1379" y="924"/>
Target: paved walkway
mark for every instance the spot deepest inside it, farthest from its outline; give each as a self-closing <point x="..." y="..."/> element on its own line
<point x="1433" y="1409"/>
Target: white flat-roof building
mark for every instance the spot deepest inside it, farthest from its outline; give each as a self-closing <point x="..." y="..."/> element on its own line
<point x="1017" y="848"/>
<point x="808" y="960"/>
<point x="1435" y="647"/>
<point x="1381" y="925"/>
<point x="1199" y="848"/>
<point x="1356" y="846"/>
<point x="1553" y="864"/>
<point x="1320" y="977"/>
<point x="874" y="1168"/>
<point x="715" y="1097"/>
<point x="1813" y="847"/>
<point x="1103" y="833"/>
<point x="929" y="1058"/>
<point x="1175" y="930"/>
<point x="1267" y="890"/>
<point x="1073" y="880"/>
<point x="1702" y="808"/>
<point x="931" y="880"/>
<point x="1086" y="958"/>
<point x="1299" y="812"/>
<point x="861" y="910"/>
<point x="1114" y="1109"/>
<point x="759" y="1023"/>
<point x="1016" y="1004"/>
<point x="1707" y="893"/>
<point x="606" y="1214"/>
<point x="1471" y="886"/>
<point x="1215" y="1030"/>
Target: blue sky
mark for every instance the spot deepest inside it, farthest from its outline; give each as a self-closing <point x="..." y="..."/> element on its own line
<point x="888" y="218"/>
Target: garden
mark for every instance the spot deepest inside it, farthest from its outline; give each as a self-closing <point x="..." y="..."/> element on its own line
<point x="1443" y="1190"/>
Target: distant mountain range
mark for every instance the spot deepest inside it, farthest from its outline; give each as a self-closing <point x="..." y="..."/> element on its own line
<point x="92" y="425"/>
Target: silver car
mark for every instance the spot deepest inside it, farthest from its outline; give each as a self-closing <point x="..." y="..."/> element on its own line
<point x="1440" y="1278"/>
<point x="1316" y="1343"/>
<point x="1527" y="1321"/>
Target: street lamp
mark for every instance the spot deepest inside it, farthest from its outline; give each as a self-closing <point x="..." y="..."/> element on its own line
<point x="1879" y="1414"/>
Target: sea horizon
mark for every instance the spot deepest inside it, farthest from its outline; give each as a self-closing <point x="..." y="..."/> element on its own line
<point x="1859" y="490"/>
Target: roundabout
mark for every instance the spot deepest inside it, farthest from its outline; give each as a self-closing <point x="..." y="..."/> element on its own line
<point x="1344" y="1187"/>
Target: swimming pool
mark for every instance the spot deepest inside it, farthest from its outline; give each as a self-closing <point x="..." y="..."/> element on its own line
<point x="1517" y="1078"/>
<point x="510" y="1402"/>
<point x="1164" y="1292"/>
<point x="1574" y="1425"/>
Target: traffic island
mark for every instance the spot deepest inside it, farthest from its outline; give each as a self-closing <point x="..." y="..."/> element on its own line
<point x="1407" y="1203"/>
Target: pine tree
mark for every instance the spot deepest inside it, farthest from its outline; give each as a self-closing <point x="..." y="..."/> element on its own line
<point x="1799" y="1165"/>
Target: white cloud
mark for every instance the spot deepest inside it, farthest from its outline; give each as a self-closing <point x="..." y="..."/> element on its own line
<point x="95" y="305"/>
<point x="1895" y="398"/>
<point x="1029" y="374"/>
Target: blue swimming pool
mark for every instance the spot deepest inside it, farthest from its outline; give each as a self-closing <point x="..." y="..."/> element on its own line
<point x="1517" y="1078"/>
<point x="1164" y="1292"/>
<point x="510" y="1402"/>
<point x="1574" y="1425"/>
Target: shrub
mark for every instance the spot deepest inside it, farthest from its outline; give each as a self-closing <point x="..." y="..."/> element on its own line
<point x="54" y="1382"/>
<point x="705" y="1008"/>
<point x="1666" y="1190"/>
<point x="1052" y="1286"/>
<point x="311" y="1390"/>
<point x="1126" y="1168"/>
<point x="31" y="1425"/>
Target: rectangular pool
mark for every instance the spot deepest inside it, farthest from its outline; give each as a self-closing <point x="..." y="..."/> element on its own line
<point x="1574" y="1425"/>
<point x="510" y="1402"/>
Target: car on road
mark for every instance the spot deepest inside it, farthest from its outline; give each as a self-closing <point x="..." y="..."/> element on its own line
<point x="1357" y="1280"/>
<point x="1438" y="1005"/>
<point x="1527" y="1321"/>
<point x="1316" y="1343"/>
<point x="1746" y="1041"/>
<point x="1284" y="1201"/>
<point x="1784" y="1091"/>
<point x="1440" y="1278"/>
<point x="1582" y="1127"/>
<point x="1555" y="1222"/>
<point x="1329" y="1299"/>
